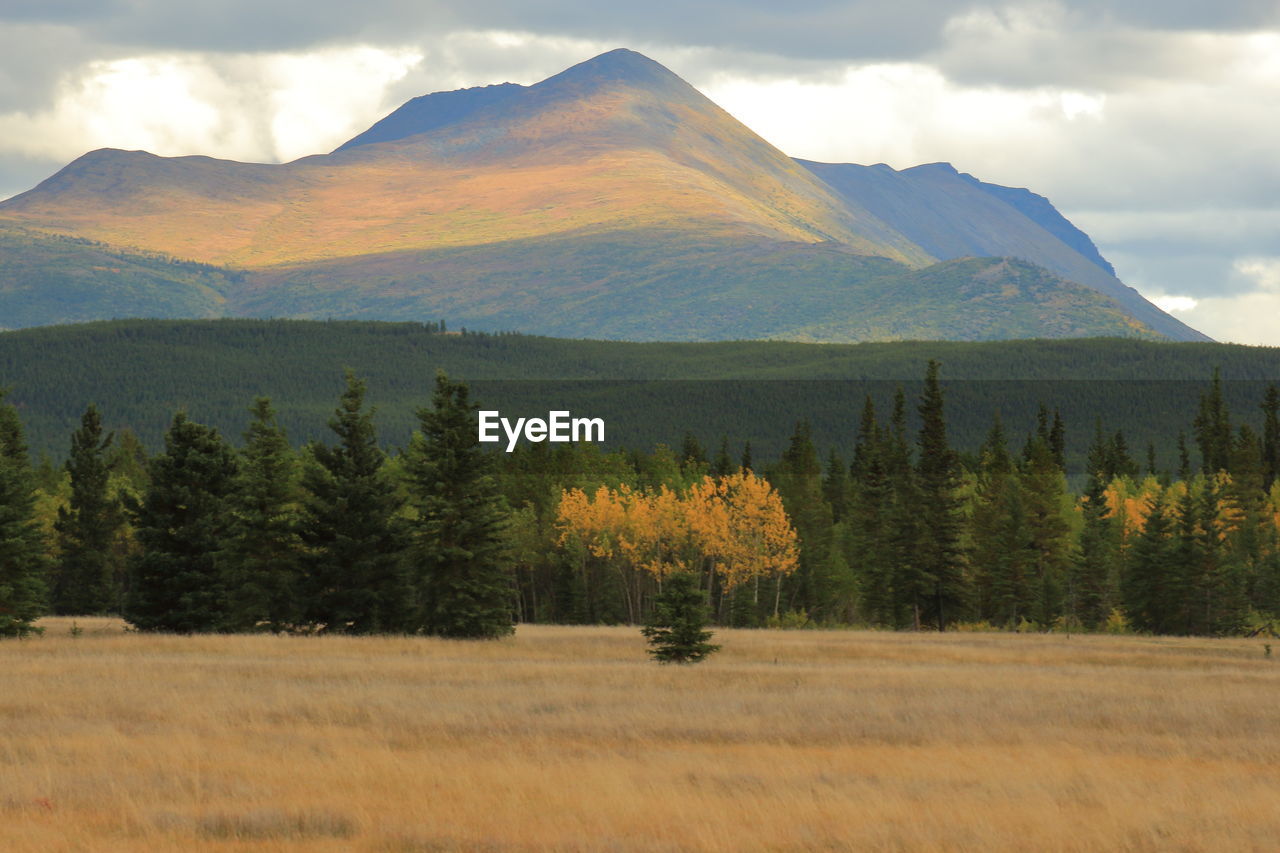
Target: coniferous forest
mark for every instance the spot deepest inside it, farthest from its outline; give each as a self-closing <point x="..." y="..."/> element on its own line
<point x="453" y="538"/>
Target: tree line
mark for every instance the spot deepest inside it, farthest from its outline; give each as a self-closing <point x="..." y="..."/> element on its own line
<point x="449" y="539"/>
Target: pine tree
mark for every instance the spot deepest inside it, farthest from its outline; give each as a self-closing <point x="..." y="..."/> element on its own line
<point x="1044" y="489"/>
<point x="903" y="522"/>
<point x="1058" y="441"/>
<point x="1145" y="583"/>
<point x="1213" y="428"/>
<point x="723" y="465"/>
<point x="676" y="629"/>
<point x="22" y="547"/>
<point x="1271" y="437"/>
<point x="1119" y="462"/>
<point x="1087" y="590"/>
<point x="799" y="482"/>
<point x="835" y="487"/>
<point x="85" y="581"/>
<point x="1184" y="458"/>
<point x="940" y="589"/>
<point x="869" y="507"/>
<point x="265" y="551"/>
<point x="175" y="583"/>
<point x="459" y="553"/>
<point x="999" y="535"/>
<point x="692" y="455"/>
<point x="354" y="578"/>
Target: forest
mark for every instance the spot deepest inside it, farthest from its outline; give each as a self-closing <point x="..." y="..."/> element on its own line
<point x="140" y="372"/>
<point x="447" y="538"/>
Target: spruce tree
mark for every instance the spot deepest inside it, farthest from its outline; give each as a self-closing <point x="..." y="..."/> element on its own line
<point x="1271" y="437"/>
<point x="354" y="572"/>
<point x="799" y="483"/>
<point x="835" y="487"/>
<point x="870" y="502"/>
<point x="265" y="551"/>
<point x="940" y="589"/>
<point x="459" y="555"/>
<point x="1145" y="584"/>
<point x="182" y="525"/>
<point x="22" y="547"/>
<point x="676" y="628"/>
<point x="1087" y="590"/>
<point x="998" y="535"/>
<point x="87" y="528"/>
<point x="1213" y="428"/>
<point x="723" y="465"/>
<point x="1044" y="489"/>
<point x="903" y="522"/>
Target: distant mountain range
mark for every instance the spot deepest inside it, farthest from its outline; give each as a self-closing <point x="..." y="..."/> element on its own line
<point x="612" y="200"/>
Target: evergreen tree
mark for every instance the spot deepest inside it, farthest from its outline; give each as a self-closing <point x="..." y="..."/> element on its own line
<point x="1044" y="489"/>
<point x="459" y="553"/>
<point x="87" y="528"/>
<point x="940" y="588"/>
<point x="692" y="456"/>
<point x="870" y="503"/>
<point x="175" y="583"/>
<point x="1119" y="462"/>
<point x="1144" y="584"/>
<point x="22" y="547"/>
<point x="1271" y="437"/>
<point x="1087" y="589"/>
<point x="723" y="465"/>
<point x="1213" y="428"/>
<point x="799" y="482"/>
<point x="835" y="487"/>
<point x="265" y="552"/>
<point x="676" y="629"/>
<point x="903" y="521"/>
<point x="1058" y="441"/>
<point x="998" y="534"/>
<point x="1184" y="458"/>
<point x="354" y="576"/>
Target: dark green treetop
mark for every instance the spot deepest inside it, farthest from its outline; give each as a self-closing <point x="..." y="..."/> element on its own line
<point x="458" y="555"/>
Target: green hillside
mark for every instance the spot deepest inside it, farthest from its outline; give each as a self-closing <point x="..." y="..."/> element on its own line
<point x="673" y="286"/>
<point x="139" y="372"/>
<point x="47" y="279"/>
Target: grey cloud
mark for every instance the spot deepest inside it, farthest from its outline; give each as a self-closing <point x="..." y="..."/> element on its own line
<point x="19" y="174"/>
<point x="1184" y="14"/>
<point x="34" y="58"/>
<point x="828" y="29"/>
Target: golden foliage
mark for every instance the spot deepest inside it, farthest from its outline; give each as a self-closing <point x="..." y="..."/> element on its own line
<point x="734" y="526"/>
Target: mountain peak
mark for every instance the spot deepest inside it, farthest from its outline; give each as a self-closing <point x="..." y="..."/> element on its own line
<point x="616" y="68"/>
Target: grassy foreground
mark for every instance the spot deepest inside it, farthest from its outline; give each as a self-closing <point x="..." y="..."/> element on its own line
<point x="568" y="739"/>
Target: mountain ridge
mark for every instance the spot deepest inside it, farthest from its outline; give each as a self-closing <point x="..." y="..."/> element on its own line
<point x="617" y="148"/>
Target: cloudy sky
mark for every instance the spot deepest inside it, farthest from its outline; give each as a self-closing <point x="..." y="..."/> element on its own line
<point x="1153" y="124"/>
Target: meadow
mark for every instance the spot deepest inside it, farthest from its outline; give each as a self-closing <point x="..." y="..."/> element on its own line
<point x="568" y="738"/>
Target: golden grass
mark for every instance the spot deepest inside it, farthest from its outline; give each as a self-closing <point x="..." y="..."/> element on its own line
<point x="569" y="739"/>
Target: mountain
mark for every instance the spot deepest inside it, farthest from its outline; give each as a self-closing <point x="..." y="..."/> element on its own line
<point x="612" y="200"/>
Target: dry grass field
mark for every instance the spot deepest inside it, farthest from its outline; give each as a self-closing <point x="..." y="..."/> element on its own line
<point x="569" y="739"/>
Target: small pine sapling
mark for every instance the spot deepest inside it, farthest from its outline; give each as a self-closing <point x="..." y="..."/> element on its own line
<point x="676" y="628"/>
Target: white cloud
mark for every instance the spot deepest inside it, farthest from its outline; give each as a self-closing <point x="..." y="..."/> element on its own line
<point x="263" y="107"/>
<point x="1174" y="304"/>
<point x="1250" y="317"/>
